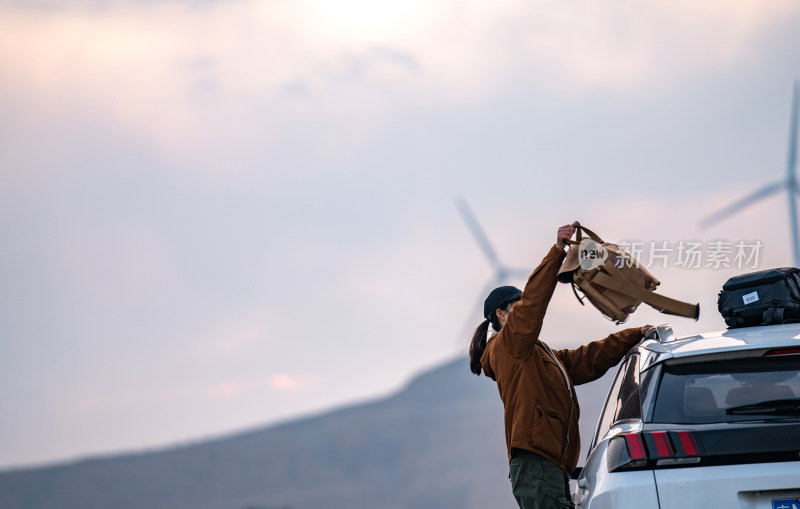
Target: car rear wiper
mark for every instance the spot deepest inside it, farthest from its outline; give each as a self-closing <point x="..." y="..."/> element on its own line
<point x="773" y="407"/>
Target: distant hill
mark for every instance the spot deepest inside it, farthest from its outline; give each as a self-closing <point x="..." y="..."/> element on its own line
<point x="436" y="444"/>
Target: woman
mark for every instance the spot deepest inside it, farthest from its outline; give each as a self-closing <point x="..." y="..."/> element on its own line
<point x="536" y="383"/>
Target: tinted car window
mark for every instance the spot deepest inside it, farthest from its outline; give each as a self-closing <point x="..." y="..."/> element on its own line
<point x="628" y="406"/>
<point x="706" y="392"/>
<point x="623" y="398"/>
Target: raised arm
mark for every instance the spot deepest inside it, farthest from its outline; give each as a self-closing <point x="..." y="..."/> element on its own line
<point x="591" y="361"/>
<point x="521" y="331"/>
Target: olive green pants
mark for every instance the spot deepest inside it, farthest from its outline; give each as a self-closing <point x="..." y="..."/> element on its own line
<point x="538" y="483"/>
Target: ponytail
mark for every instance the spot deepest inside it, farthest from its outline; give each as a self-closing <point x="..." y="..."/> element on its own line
<point x="478" y="343"/>
<point x="477" y="346"/>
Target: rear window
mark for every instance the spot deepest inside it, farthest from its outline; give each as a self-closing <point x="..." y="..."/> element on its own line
<point x="702" y="392"/>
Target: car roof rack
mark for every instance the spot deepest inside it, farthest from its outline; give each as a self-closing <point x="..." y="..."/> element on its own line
<point x="662" y="333"/>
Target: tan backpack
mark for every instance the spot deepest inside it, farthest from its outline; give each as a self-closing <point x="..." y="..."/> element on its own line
<point x="613" y="281"/>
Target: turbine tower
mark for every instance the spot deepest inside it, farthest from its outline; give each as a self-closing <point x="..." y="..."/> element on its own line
<point x="789" y="184"/>
<point x="502" y="273"/>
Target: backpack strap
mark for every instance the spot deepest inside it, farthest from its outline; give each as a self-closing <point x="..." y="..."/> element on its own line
<point x="772" y="315"/>
<point x="576" y="293"/>
<point x="660" y="302"/>
<point x="579" y="236"/>
<point x="592" y="235"/>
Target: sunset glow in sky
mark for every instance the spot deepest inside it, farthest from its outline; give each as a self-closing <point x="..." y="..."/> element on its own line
<point x="217" y="215"/>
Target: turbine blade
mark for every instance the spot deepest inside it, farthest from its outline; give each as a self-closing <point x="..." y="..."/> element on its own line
<point x="793" y="226"/>
<point x="522" y="274"/>
<point x="742" y="203"/>
<point x="791" y="163"/>
<point x="792" y="159"/>
<point x="477" y="232"/>
<point x="475" y="316"/>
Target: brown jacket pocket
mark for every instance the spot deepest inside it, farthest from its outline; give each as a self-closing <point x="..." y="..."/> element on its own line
<point x="547" y="432"/>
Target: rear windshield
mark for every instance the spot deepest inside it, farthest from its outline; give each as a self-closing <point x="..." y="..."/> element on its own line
<point x="723" y="391"/>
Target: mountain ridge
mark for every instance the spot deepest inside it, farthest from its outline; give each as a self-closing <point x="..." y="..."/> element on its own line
<point x="438" y="442"/>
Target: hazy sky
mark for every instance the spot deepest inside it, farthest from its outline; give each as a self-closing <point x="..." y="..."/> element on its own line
<point x="219" y="215"/>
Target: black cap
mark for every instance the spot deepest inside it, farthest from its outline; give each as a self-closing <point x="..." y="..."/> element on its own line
<point x="498" y="298"/>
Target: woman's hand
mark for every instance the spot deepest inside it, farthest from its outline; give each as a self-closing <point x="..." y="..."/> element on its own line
<point x="565" y="233"/>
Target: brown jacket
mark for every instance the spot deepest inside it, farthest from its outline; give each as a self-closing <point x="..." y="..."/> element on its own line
<point x="541" y="410"/>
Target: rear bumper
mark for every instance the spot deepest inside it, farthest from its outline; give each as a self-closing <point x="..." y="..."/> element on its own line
<point x="751" y="486"/>
<point x="628" y="490"/>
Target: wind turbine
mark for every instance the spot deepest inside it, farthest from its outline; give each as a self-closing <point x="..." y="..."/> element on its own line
<point x="502" y="273"/>
<point x="789" y="184"/>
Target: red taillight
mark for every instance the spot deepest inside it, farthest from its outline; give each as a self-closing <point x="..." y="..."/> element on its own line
<point x="688" y="443"/>
<point x="635" y="446"/>
<point x="663" y="447"/>
<point x="784" y="351"/>
<point x="653" y="449"/>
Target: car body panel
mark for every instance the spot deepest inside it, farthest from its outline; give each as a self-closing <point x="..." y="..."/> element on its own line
<point x="596" y="489"/>
<point x="747" y="486"/>
<point x="729" y="486"/>
<point x="735" y="340"/>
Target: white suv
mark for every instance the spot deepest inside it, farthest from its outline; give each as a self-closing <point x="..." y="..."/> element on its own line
<point x="709" y="421"/>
